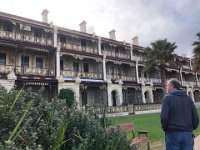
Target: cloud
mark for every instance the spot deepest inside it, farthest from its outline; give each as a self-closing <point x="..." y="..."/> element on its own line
<point x="156" y="19"/>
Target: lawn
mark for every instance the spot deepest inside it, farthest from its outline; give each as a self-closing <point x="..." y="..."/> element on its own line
<point x="148" y="122"/>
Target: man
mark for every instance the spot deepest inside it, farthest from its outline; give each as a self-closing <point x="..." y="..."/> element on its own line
<point x="179" y="117"/>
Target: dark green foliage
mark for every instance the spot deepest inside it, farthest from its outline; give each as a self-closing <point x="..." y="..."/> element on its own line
<point x="68" y="96"/>
<point x="53" y="125"/>
<point x="196" y="52"/>
<point x="158" y="55"/>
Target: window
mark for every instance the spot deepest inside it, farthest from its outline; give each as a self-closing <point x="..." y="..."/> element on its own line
<point x="75" y="66"/>
<point x="39" y="62"/>
<point x="61" y="64"/>
<point x="37" y="33"/>
<point x="112" y="70"/>
<point x="2" y="58"/>
<point x="119" y="70"/>
<point x="83" y="43"/>
<point x="62" y="38"/>
<point x="85" y="67"/>
<point x="8" y="26"/>
<point x="117" y="50"/>
<point x="102" y="46"/>
<point x="25" y="61"/>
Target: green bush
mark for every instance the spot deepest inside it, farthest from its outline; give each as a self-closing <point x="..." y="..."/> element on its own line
<point x="68" y="96"/>
<point x="27" y="121"/>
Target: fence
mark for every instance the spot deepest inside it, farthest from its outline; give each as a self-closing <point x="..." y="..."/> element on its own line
<point x="120" y="109"/>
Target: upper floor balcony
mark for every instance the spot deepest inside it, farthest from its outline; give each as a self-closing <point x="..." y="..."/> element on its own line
<point x="117" y="55"/>
<point x="149" y="80"/>
<point x="186" y="67"/>
<point x="189" y="83"/>
<point x="82" y="75"/>
<point x="137" y="58"/>
<point x="24" y="70"/>
<point x="79" y="47"/>
<point x="26" y="37"/>
<point x="123" y="77"/>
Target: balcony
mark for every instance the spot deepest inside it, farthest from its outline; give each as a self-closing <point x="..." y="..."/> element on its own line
<point x="149" y="80"/>
<point x="83" y="75"/>
<point x="186" y="67"/>
<point x="27" y="38"/>
<point x="112" y="76"/>
<point x="137" y="58"/>
<point x="118" y="55"/>
<point x="86" y="49"/>
<point x="7" y="34"/>
<point x="189" y="83"/>
<point x="26" y="70"/>
<point x="128" y="78"/>
<point x="123" y="77"/>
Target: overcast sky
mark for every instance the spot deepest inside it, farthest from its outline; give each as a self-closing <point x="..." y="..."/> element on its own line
<point x="150" y="20"/>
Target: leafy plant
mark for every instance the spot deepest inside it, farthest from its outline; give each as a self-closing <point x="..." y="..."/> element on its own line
<point x="29" y="122"/>
<point x="68" y="96"/>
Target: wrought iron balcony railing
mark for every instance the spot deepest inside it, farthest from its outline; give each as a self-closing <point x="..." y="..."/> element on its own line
<point x="149" y="80"/>
<point x="186" y="67"/>
<point x="123" y="77"/>
<point x="83" y="75"/>
<point x="27" y="38"/>
<point x="26" y="70"/>
<point x="87" y="49"/>
<point x="137" y="58"/>
<point x="189" y="83"/>
<point x="117" y="55"/>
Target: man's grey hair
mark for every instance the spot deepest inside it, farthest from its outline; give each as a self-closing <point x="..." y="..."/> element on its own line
<point x="175" y="82"/>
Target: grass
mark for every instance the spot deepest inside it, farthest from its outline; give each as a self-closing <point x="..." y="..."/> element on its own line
<point x="147" y="122"/>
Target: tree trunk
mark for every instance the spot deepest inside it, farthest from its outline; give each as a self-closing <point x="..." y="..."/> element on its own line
<point x="163" y="75"/>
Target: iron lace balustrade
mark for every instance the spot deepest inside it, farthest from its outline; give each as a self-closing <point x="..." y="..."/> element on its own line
<point x="25" y="37"/>
<point x="189" y="83"/>
<point x="123" y="77"/>
<point x="149" y="80"/>
<point x="83" y="75"/>
<point x="24" y="70"/>
<point x="77" y="47"/>
<point x="117" y="55"/>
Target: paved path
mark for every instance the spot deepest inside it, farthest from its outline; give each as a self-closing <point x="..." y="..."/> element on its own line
<point x="197" y="143"/>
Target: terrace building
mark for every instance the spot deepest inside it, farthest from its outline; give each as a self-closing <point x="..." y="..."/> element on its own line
<point x="98" y="70"/>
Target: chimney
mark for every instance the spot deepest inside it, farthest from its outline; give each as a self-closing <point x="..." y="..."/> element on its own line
<point x="45" y="15"/>
<point x="83" y="26"/>
<point x="135" y="40"/>
<point x="112" y="34"/>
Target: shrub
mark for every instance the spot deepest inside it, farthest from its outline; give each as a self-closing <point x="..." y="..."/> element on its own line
<point x="29" y="122"/>
<point x="68" y="96"/>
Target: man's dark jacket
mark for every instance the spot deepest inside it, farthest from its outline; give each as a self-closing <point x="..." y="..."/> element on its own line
<point x="178" y="112"/>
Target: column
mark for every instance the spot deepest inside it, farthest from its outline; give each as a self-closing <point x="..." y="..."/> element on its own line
<point x="197" y="81"/>
<point x="99" y="45"/>
<point x="58" y="62"/>
<point x="55" y="40"/>
<point x="136" y="69"/>
<point x="120" y="96"/>
<point x="191" y="64"/>
<point x="143" y="96"/>
<point x="181" y="76"/>
<point x="109" y="95"/>
<point x="104" y="67"/>
<point x="131" y="52"/>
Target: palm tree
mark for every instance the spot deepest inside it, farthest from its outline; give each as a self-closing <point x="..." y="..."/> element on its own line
<point x="158" y="55"/>
<point x="196" y="51"/>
